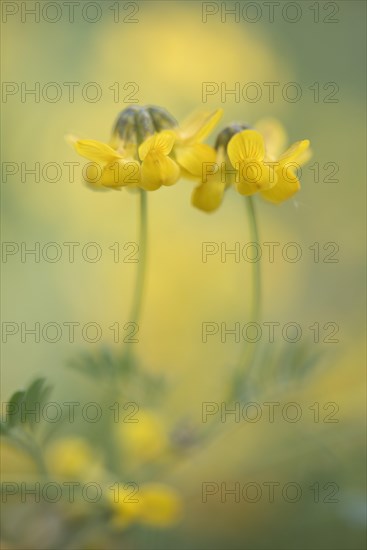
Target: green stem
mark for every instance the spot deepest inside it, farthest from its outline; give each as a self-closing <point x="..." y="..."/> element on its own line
<point x="248" y="356"/>
<point x="140" y="279"/>
<point x="255" y="309"/>
<point x="135" y="311"/>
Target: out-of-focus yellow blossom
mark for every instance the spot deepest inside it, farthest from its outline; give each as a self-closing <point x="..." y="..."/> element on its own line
<point x="123" y="504"/>
<point x="148" y="149"/>
<point x="190" y="151"/>
<point x="274" y="135"/>
<point x="72" y="457"/>
<point x="249" y="159"/>
<point x="153" y="504"/>
<point x="159" y="505"/>
<point x="145" y="440"/>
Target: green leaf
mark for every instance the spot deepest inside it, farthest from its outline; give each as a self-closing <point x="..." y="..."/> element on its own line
<point x="14" y="408"/>
<point x="23" y="402"/>
<point x="35" y="396"/>
<point x="3" y="428"/>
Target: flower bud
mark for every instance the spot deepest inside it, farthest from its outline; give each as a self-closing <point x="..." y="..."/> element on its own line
<point x="162" y="119"/>
<point x="135" y="124"/>
<point x="227" y="134"/>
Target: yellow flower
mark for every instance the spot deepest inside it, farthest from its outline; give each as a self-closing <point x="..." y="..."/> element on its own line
<point x="138" y="152"/>
<point x="72" y="457"/>
<point x="148" y="150"/>
<point x="152" y="504"/>
<point x="145" y="440"/>
<point x="123" y="504"/>
<point x="157" y="167"/>
<point x="189" y="150"/>
<point x="159" y="505"/>
<point x="285" y="164"/>
<point x="117" y="170"/>
<point x="287" y="180"/>
<point x="109" y="167"/>
<point x="209" y="194"/>
<point x="246" y="151"/>
<point x="249" y="159"/>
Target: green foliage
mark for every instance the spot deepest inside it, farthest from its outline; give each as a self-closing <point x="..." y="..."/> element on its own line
<point x="275" y="369"/>
<point x="121" y="369"/>
<point x="25" y="400"/>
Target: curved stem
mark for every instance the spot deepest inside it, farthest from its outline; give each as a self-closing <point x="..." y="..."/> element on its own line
<point x="140" y="279"/>
<point x="248" y="356"/>
<point x="255" y="309"/>
<point x="137" y="302"/>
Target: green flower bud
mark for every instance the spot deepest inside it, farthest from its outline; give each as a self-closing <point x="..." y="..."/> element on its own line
<point x="135" y="124"/>
<point x="227" y="134"/>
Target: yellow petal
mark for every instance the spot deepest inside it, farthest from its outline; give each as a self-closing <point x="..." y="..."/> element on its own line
<point x="117" y="173"/>
<point x="121" y="173"/>
<point x="199" y="125"/>
<point x="296" y="153"/>
<point x="275" y="136"/>
<point x="157" y="170"/>
<point x="304" y="156"/>
<point x="71" y="139"/>
<point x="93" y="175"/>
<point x="160" y="143"/>
<point x="245" y="188"/>
<point x="187" y="175"/>
<point x="287" y="185"/>
<point x="95" y="150"/>
<point x="254" y="176"/>
<point x="209" y="195"/>
<point x="247" y="145"/>
<point x="193" y="157"/>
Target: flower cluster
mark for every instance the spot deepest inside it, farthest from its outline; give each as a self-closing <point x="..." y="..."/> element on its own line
<point x="149" y="149"/>
<point x="150" y="503"/>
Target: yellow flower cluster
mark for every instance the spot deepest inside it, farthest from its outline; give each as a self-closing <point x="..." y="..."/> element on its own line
<point x="73" y="457"/>
<point x="154" y="505"/>
<point x="149" y="149"/>
<point x="142" y="443"/>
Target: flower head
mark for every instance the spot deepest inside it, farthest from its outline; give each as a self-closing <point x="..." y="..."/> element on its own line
<point x="72" y="457"/>
<point x="148" y="149"/>
<point x="145" y="440"/>
<point x="190" y="151"/>
<point x="249" y="159"/>
<point x="160" y="505"/>
<point x="154" y="505"/>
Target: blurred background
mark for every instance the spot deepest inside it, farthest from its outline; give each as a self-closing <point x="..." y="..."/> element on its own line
<point x="168" y="53"/>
